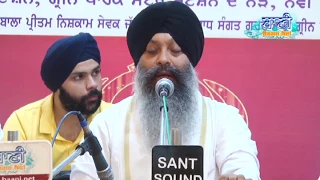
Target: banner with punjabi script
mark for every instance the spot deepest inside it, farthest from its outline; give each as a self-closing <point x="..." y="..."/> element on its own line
<point x="220" y="18"/>
<point x="273" y="83"/>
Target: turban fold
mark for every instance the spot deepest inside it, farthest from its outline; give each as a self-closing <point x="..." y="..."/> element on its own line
<point x="171" y="17"/>
<point x="64" y="55"/>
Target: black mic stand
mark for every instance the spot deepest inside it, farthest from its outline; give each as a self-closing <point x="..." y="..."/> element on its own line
<point x="85" y="146"/>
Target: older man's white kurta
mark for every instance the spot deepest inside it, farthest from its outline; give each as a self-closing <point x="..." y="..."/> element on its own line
<point x="228" y="148"/>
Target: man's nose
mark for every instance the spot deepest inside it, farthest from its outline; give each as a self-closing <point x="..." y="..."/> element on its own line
<point x="164" y="59"/>
<point x="91" y="83"/>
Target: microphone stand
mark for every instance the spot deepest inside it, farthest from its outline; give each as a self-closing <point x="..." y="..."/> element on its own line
<point x="80" y="150"/>
<point x="176" y="137"/>
<point x="163" y="131"/>
<point x="164" y="88"/>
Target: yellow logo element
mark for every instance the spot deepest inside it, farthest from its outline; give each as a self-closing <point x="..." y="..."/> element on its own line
<point x="276" y="33"/>
<point x="13" y="168"/>
<point x="121" y="87"/>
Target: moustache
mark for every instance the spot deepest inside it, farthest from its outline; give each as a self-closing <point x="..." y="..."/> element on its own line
<point x="92" y="93"/>
<point x="152" y="73"/>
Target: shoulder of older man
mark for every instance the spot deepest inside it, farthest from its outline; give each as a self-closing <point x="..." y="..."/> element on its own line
<point x="223" y="113"/>
<point x="220" y="107"/>
<point x="113" y="113"/>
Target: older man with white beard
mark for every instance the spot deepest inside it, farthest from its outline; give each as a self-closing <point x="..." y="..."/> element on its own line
<point x="166" y="40"/>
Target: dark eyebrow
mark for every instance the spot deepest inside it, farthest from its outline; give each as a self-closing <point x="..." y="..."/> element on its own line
<point x="96" y="68"/>
<point x="79" y="72"/>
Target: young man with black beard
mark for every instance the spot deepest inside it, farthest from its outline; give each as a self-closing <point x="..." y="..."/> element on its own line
<point x="71" y="70"/>
<point x="166" y="40"/>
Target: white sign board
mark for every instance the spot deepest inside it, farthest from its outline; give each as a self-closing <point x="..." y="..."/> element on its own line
<point x="25" y="160"/>
<point x="220" y="18"/>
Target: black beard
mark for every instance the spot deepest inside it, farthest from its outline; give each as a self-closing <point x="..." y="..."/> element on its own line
<point x="86" y="108"/>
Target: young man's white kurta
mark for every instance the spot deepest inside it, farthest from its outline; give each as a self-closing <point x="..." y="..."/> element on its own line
<point x="228" y="148"/>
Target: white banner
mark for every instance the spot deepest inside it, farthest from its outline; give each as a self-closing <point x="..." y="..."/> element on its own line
<point x="220" y="18"/>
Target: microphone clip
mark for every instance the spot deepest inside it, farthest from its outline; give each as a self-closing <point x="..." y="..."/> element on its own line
<point x="162" y="108"/>
<point x="163" y="92"/>
<point x="80" y="150"/>
<point x="90" y="141"/>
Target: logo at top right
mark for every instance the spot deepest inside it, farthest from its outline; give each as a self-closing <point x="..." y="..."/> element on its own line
<point x="284" y="27"/>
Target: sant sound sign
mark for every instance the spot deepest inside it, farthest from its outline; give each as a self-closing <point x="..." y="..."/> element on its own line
<point x="177" y="163"/>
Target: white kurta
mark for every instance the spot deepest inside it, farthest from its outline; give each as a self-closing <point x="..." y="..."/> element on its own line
<point x="228" y="148"/>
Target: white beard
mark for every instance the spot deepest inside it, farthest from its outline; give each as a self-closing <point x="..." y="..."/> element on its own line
<point x="183" y="105"/>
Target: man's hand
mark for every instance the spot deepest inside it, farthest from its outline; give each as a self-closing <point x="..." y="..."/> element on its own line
<point x="233" y="177"/>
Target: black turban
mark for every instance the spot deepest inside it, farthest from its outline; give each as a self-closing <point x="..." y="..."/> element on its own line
<point x="64" y="55"/>
<point x="171" y="17"/>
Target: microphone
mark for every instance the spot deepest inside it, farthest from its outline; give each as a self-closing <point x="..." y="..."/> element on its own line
<point x="173" y="160"/>
<point x="91" y="145"/>
<point x="104" y="170"/>
<point x="164" y="87"/>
